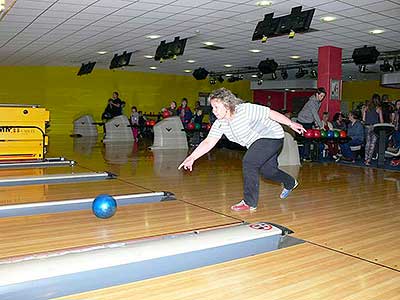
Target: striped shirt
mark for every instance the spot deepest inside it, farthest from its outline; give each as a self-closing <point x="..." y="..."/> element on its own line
<point x="250" y="122"/>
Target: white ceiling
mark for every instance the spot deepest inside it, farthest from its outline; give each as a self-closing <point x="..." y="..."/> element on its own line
<point x="70" y="32"/>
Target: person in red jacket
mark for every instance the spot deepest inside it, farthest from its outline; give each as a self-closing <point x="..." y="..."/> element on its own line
<point x="184" y="112"/>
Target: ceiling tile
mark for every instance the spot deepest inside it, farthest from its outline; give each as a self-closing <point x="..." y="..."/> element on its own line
<point x="353" y="12"/>
<point x="83" y="2"/>
<point x="199" y="12"/>
<point x="113" y="3"/>
<point x="100" y="10"/>
<point x="370" y="18"/>
<point x="312" y="3"/>
<point x="335" y="6"/>
<point x="26" y="4"/>
<point x="17" y="19"/>
<point x="49" y="20"/>
<point x="67" y="7"/>
<point x="395" y="13"/>
<point x="361" y="3"/>
<point x="90" y="17"/>
<point x="224" y="14"/>
<point x="191" y="3"/>
<point x="217" y="5"/>
<point x="61" y="15"/>
<point x="381" y="6"/>
<point x="142" y="5"/>
<point x="389" y="22"/>
<point x="25" y="12"/>
<point x="241" y="8"/>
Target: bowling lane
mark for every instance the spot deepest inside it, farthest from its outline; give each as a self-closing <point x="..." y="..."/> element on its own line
<point x="127" y="262"/>
<point x="41" y="171"/>
<point x="53" y="192"/>
<point x="301" y="272"/>
<point x="25" y="236"/>
<point x="51" y="162"/>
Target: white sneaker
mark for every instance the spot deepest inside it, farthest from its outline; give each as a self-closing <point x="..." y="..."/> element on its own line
<point x="285" y="192"/>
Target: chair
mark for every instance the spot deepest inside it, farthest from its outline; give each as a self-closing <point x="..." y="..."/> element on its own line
<point x="357" y="151"/>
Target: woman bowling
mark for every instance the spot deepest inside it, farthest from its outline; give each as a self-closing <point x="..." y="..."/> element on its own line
<point x="257" y="128"/>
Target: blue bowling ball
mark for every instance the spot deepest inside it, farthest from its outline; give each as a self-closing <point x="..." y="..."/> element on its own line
<point x="104" y="206"/>
<point x="330" y="134"/>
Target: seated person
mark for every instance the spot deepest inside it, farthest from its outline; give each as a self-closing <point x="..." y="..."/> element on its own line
<point x="355" y="131"/>
<point x="333" y="148"/>
<point x="113" y="108"/>
<point x="338" y="121"/>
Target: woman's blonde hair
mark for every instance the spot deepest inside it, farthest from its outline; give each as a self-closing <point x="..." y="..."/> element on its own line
<point x="227" y="98"/>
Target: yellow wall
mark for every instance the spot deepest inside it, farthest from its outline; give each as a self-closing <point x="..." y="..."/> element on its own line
<point x="68" y="96"/>
<point x="359" y="91"/>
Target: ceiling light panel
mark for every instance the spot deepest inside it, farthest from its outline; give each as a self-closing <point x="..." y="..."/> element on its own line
<point x="264" y="3"/>
<point x="328" y="19"/>
<point x="334" y="6"/>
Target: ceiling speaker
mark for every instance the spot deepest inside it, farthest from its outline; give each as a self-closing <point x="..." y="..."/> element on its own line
<point x="200" y="73"/>
<point x="365" y="55"/>
<point x="267" y="66"/>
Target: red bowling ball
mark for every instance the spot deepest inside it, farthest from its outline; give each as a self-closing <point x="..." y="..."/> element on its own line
<point x="190" y="126"/>
<point x="309" y="134"/>
<point x="317" y="133"/>
<point x="166" y="114"/>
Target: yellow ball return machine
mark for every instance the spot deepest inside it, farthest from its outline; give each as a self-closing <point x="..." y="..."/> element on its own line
<point x="23" y="138"/>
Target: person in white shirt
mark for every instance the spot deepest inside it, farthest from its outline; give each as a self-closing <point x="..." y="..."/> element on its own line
<point x="257" y="128"/>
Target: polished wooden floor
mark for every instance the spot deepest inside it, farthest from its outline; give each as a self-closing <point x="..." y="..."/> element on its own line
<point x="348" y="215"/>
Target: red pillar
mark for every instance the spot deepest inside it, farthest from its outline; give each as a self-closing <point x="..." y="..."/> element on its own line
<point x="330" y="77"/>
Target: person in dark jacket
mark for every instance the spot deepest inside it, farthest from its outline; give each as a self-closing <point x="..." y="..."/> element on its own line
<point x="113" y="108"/>
<point x="355" y="131"/>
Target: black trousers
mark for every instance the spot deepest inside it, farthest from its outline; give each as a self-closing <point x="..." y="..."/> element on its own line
<point x="262" y="158"/>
